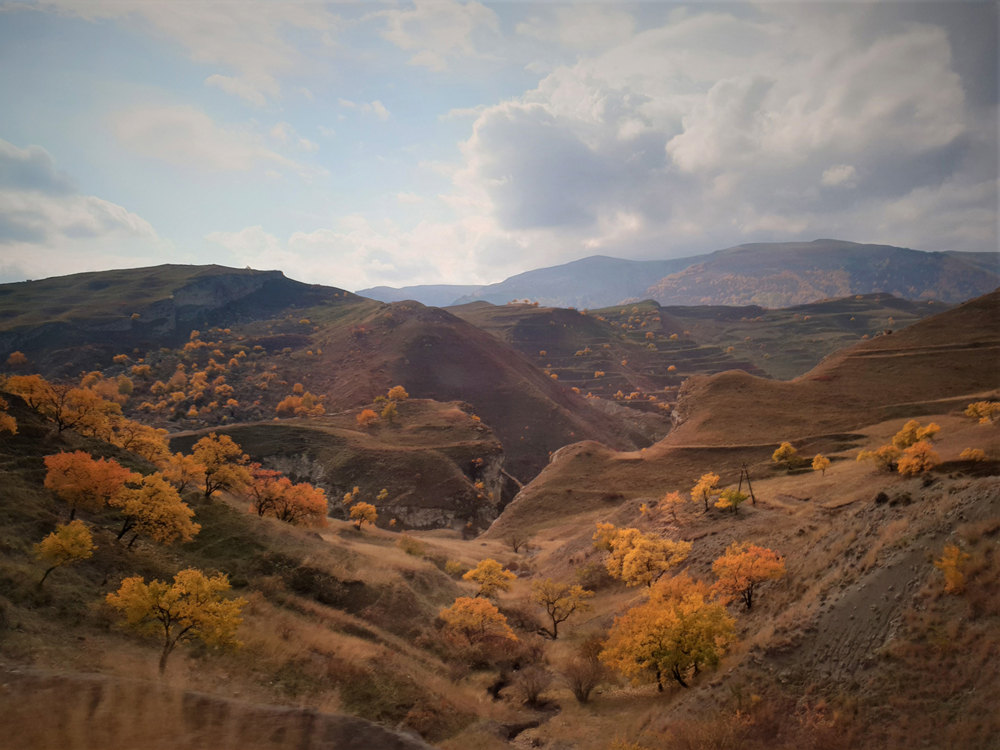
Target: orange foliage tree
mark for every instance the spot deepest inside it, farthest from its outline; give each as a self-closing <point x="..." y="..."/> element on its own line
<point x="367" y="417"/>
<point x="192" y="608"/>
<point x="67" y="544"/>
<point x="83" y="481"/>
<point x="637" y="558"/>
<point x="913" y="432"/>
<point x="951" y="564"/>
<point x="306" y="405"/>
<point x="225" y="464"/>
<point x="918" y="458"/>
<point x="743" y="569"/>
<point x="884" y="457"/>
<point x="492" y="578"/>
<point x="181" y="471"/>
<point x="155" y="510"/>
<point x="398" y="393"/>
<point x="66" y="405"/>
<point x="706" y="487"/>
<point x="7" y="422"/>
<point x="363" y="513"/>
<point x="474" y="620"/>
<point x="820" y="464"/>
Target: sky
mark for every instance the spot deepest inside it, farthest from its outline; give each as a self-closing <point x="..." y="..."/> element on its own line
<point x="463" y="142"/>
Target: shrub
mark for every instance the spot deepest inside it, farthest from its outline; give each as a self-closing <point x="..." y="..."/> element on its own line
<point x="529" y="683"/>
<point x="411" y="546"/>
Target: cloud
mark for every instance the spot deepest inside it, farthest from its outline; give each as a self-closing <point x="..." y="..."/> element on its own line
<point x="409" y="198"/>
<point x="186" y="137"/>
<point x="581" y="27"/>
<point x="40" y="205"/>
<point x="249" y="38"/>
<point x="437" y="31"/>
<point x="327" y="132"/>
<point x="237" y="86"/>
<point x="286" y="134"/>
<point x="843" y="175"/>
<point x="376" y="107"/>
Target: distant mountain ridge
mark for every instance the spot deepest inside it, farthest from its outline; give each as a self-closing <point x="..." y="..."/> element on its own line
<point x="766" y="274"/>
<point x="432" y="295"/>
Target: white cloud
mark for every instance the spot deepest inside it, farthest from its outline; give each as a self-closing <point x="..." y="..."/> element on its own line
<point x="248" y="38"/>
<point x="327" y="132"/>
<point x="581" y="27"/>
<point x="286" y="134"/>
<point x="409" y="198"/>
<point x="439" y="30"/>
<point x="842" y="175"/>
<point x="187" y="137"/>
<point x="376" y="107"/>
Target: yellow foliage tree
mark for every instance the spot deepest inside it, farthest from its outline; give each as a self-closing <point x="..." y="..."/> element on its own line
<point x="181" y="471"/>
<point x="678" y="631"/>
<point x="398" y="393"/>
<point x="884" y="457"/>
<point x="66" y="405"/>
<point x="951" y="564"/>
<point x="155" y="510"/>
<point x="389" y="412"/>
<point x="984" y="411"/>
<point x="731" y="498"/>
<point x="475" y="620"/>
<point x="743" y="569"/>
<point x="363" y="513"/>
<point x="560" y="602"/>
<point x="192" y="608"/>
<point x="143" y="440"/>
<point x="972" y="454"/>
<point x="492" y="578"/>
<point x="786" y="454"/>
<point x="913" y="433"/>
<point x="706" y="487"/>
<point x="673" y="501"/>
<point x="635" y="558"/>
<point x="820" y="464"/>
<point x="918" y="458"/>
<point x="67" y="544"/>
<point x="224" y="462"/>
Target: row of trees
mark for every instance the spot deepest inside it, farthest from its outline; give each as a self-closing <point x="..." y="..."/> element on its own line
<point x="389" y="407"/>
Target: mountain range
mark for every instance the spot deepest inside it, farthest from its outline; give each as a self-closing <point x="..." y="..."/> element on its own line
<point x="766" y="274"/>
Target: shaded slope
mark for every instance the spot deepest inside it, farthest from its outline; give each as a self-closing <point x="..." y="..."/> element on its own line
<point x="790" y="273"/>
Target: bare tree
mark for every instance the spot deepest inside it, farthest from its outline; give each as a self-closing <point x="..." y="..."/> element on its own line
<point x="516" y="541"/>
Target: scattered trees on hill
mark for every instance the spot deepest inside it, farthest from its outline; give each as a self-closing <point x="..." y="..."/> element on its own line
<point x="492" y="578"/>
<point x="678" y="631"/>
<point x="706" y="488"/>
<point x="305" y="405"/>
<point x="192" y="608"/>
<point x="984" y="411"/>
<point x="637" y="558"/>
<point x="918" y="458"/>
<point x="154" y="509"/>
<point x="560" y="602"/>
<point x="224" y="463"/>
<point x="83" y="481"/>
<point x="69" y="543"/>
<point x="474" y="620"/>
<point x="743" y="569"/>
<point x="66" y="405"/>
<point x="820" y="464"/>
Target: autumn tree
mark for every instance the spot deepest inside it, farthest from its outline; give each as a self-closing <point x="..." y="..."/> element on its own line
<point x="473" y="620"/>
<point x="884" y="457"/>
<point x="787" y="455"/>
<point x="492" y="578"/>
<point x="192" y="608"/>
<point x="154" y="509"/>
<point x="363" y="513"/>
<point x="181" y="471"/>
<point x="585" y="672"/>
<point x="635" y="558"/>
<point x="66" y="405"/>
<point x="984" y="411"/>
<point x="918" y="458"/>
<point x="17" y="359"/>
<point x="143" y="440"/>
<point x="390" y="412"/>
<point x="678" y="631"/>
<point x="560" y="602"/>
<point x="913" y="432"/>
<point x="303" y="504"/>
<point x="224" y="462"/>
<point x="673" y="501"/>
<point x="706" y="488"/>
<point x="306" y="405"/>
<point x="742" y="570"/>
<point x="969" y="454"/>
<point x="7" y="421"/>
<point x="731" y="498"/>
<point x="367" y="417"/>
<point x="398" y="393"/>
<point x="951" y="565"/>
<point x="820" y="464"/>
<point x="516" y="540"/>
<point x="83" y="481"/>
<point x="69" y="543"/>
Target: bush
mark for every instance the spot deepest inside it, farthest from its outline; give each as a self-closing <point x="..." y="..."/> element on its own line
<point x="529" y="683"/>
<point x="454" y="568"/>
<point x="411" y="546"/>
<point x="582" y="676"/>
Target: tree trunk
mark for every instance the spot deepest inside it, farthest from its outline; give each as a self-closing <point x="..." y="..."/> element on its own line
<point x="132" y="541"/>
<point x="72" y="513"/>
<point x="125" y="527"/>
<point x="167" y="648"/>
<point x="679" y="677"/>
<point x="46" y="575"/>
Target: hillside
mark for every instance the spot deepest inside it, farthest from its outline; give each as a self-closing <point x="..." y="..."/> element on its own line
<point x="795" y="273"/>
